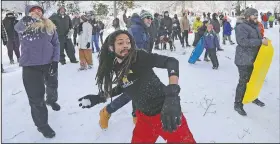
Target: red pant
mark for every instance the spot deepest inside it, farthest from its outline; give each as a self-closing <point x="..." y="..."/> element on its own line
<point x="149" y="128"/>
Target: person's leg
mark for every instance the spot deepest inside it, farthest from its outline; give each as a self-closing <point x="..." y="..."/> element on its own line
<point x="10" y="47"/>
<point x="180" y="37"/>
<point x="244" y="77"/>
<point x="187" y="37"/>
<point x="101" y="38"/>
<point x="145" y="130"/>
<point x="70" y="51"/>
<point x="116" y="104"/>
<point x="62" y="47"/>
<point x="181" y="135"/>
<point x="96" y="41"/>
<point x="75" y="35"/>
<point x="16" y="48"/>
<point x="33" y="81"/>
<point x="92" y="43"/>
<point x="51" y="82"/>
<point x="88" y="57"/>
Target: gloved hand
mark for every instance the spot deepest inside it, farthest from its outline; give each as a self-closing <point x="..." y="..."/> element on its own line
<point x="4" y="43"/>
<point x="89" y="101"/>
<point x="171" y="109"/>
<point x="53" y="68"/>
<point x="27" y="20"/>
<point x="88" y="45"/>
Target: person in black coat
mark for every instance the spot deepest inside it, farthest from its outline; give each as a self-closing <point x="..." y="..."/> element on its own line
<point x="4" y="37"/>
<point x="176" y="30"/>
<point x="64" y="27"/>
<point x="9" y="23"/>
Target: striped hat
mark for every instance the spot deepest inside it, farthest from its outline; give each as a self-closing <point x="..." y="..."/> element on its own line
<point x="145" y="14"/>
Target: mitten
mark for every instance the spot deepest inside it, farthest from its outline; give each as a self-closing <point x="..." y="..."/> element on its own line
<point x="4" y="43"/>
<point x="171" y="109"/>
<point x="88" y="45"/>
<point x="89" y="101"/>
<point x="53" y="68"/>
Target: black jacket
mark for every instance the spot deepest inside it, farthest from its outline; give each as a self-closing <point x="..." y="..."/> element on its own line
<point x="143" y="85"/>
<point x="63" y="24"/>
<point x="167" y="22"/>
<point x="9" y="24"/>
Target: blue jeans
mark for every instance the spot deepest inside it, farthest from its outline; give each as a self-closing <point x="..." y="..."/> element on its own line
<point x="95" y="42"/>
<point x="120" y="102"/>
<point x="264" y="24"/>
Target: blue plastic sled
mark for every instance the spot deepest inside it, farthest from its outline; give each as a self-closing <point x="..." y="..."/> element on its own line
<point x="196" y="52"/>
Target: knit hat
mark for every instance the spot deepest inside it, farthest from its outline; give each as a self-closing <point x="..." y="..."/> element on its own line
<point x="250" y="11"/>
<point x="145" y="14"/>
<point x="84" y="18"/>
<point x="36" y="7"/>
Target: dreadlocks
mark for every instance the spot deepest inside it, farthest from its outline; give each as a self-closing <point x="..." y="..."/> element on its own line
<point x="107" y="60"/>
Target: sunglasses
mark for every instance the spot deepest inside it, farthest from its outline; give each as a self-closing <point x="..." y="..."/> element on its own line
<point x="149" y="17"/>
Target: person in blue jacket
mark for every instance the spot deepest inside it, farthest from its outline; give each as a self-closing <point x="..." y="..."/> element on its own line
<point x="211" y="44"/>
<point x="227" y="31"/>
<point x="139" y="29"/>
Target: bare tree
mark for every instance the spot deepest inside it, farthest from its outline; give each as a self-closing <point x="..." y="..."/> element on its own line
<point x="212" y="5"/>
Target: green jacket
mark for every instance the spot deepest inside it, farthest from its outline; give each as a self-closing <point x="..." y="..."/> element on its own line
<point x="271" y="18"/>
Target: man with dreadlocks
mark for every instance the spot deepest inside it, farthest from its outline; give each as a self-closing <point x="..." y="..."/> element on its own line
<point x="158" y="106"/>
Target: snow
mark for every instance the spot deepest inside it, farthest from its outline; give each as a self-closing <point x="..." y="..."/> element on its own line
<point x="199" y="83"/>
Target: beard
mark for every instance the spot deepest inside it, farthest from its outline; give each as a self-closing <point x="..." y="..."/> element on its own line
<point x="122" y="51"/>
<point x="253" y="21"/>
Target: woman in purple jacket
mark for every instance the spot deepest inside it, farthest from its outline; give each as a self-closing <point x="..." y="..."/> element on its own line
<point x="39" y="61"/>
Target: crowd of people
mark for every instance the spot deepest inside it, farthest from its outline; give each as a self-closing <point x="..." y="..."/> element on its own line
<point x="127" y="54"/>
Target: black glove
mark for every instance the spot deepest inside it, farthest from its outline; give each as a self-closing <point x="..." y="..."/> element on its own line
<point x="88" y="45"/>
<point x="53" y="68"/>
<point x="27" y="20"/>
<point x="4" y="43"/>
<point x="92" y="100"/>
<point x="171" y="109"/>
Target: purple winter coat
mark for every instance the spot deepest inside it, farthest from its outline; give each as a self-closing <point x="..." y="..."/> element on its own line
<point x="227" y="28"/>
<point x="37" y="48"/>
<point x="210" y="40"/>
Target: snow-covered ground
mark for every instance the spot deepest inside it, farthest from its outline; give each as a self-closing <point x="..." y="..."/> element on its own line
<point x="199" y="83"/>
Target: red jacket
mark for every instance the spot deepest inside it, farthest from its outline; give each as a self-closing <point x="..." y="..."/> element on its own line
<point x="264" y="18"/>
<point x="261" y="28"/>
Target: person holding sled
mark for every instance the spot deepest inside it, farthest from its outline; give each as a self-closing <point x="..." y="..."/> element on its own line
<point x="249" y="41"/>
<point x="158" y="106"/>
<point x="9" y="23"/>
<point x="39" y="60"/>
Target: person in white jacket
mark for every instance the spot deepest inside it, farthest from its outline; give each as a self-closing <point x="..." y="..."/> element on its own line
<point x="85" y="47"/>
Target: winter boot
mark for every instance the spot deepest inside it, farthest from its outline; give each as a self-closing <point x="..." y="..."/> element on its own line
<point x="206" y="59"/>
<point x="214" y="68"/>
<point x="55" y="106"/>
<point x="75" y="61"/>
<point x="104" y="118"/>
<point x="90" y="66"/>
<point x="259" y="103"/>
<point x="47" y="131"/>
<point x="220" y="49"/>
<point x="134" y="120"/>
<point x="232" y="43"/>
<point x="63" y="62"/>
<point x="239" y="108"/>
<point x="188" y="45"/>
<point x="12" y="61"/>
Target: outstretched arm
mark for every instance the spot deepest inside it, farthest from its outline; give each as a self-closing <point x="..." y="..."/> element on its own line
<point x="159" y="61"/>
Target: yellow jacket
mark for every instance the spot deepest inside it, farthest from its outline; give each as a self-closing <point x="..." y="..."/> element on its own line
<point x="196" y="25"/>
